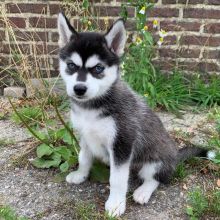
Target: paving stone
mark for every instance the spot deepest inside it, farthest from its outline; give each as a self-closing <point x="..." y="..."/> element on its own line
<point x="45" y="86"/>
<point x="14" y="91"/>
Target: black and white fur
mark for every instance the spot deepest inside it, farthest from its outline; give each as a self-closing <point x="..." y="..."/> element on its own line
<point x="114" y="123"/>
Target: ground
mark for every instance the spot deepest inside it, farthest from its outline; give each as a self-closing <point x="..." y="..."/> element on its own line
<point x="42" y="194"/>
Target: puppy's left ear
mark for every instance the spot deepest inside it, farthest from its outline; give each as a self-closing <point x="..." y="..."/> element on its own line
<point x="116" y="37"/>
<point x="65" y="29"/>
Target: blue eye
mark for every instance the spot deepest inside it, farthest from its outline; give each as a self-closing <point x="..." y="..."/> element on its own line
<point x="98" y="69"/>
<point x="72" y="66"/>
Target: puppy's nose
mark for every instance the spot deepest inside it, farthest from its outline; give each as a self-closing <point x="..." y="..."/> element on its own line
<point x="80" y="89"/>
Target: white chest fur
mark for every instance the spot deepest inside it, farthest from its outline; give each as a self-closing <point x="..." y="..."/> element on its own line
<point x="97" y="132"/>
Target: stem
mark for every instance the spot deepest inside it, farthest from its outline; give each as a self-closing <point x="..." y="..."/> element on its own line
<point x="66" y="127"/>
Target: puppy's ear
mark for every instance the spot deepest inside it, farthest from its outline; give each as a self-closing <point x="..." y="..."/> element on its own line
<point x="116" y="37"/>
<point x="65" y="29"/>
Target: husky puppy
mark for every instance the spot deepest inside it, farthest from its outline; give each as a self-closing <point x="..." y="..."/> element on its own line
<point x="114" y="123"/>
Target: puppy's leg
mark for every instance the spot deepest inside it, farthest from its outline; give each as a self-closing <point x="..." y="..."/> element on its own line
<point x="119" y="174"/>
<point x="85" y="164"/>
<point x="143" y="193"/>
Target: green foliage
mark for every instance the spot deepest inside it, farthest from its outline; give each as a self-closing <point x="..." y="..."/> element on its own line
<point x="2" y="116"/>
<point x="171" y="92"/>
<point x="6" y="213"/>
<point x="206" y="93"/>
<point x="167" y="91"/>
<point x="54" y="154"/>
<point x="88" y="211"/>
<point x="214" y="201"/>
<point x="99" y="173"/>
<point x="214" y="141"/>
<point x="5" y="142"/>
<point x="198" y="202"/>
<point x="180" y="172"/>
<point x="203" y="203"/>
<point x="31" y="115"/>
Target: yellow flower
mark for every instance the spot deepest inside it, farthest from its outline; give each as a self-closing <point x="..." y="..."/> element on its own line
<point x="160" y="41"/>
<point x="142" y="11"/>
<point x="162" y="33"/>
<point x="138" y="40"/>
<point x="89" y="23"/>
<point x="146" y="95"/>
<point x="155" y="23"/>
<point x="106" y="21"/>
<point x="145" y="28"/>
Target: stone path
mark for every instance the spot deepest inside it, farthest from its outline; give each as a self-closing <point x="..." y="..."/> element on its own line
<point x="37" y="194"/>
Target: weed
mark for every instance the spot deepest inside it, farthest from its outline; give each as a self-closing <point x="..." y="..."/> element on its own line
<point x="31" y="115"/>
<point x="5" y="142"/>
<point x="214" y="202"/>
<point x="201" y="203"/>
<point x="206" y="93"/>
<point x="2" y="116"/>
<point x="87" y="211"/>
<point x="197" y="201"/>
<point x="6" y="213"/>
<point x="214" y="141"/>
<point x="180" y="172"/>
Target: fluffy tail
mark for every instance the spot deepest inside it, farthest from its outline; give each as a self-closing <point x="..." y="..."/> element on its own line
<point x="194" y="151"/>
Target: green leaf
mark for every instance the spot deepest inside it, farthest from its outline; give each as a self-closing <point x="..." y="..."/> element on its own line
<point x="189" y="211"/>
<point x="64" y="166"/>
<point x="73" y="160"/>
<point x="64" y="152"/>
<point x="44" y="150"/>
<point x="99" y="173"/>
<point x="67" y="138"/>
<point x="85" y="4"/>
<point x="42" y="163"/>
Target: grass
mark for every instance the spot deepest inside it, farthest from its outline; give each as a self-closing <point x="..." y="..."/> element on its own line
<point x="203" y="203"/>
<point x="6" y="142"/>
<point x="6" y="213"/>
<point x="214" y="141"/>
<point x="88" y="211"/>
<point x="31" y="115"/>
<point x="3" y="116"/>
<point x="180" y="172"/>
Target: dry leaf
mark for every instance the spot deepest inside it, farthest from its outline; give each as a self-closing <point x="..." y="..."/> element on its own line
<point x="185" y="187"/>
<point x="218" y="182"/>
<point x="214" y="167"/>
<point x="204" y="170"/>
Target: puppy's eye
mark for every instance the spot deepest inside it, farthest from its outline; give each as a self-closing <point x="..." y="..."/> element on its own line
<point x="72" y="67"/>
<point x="98" y="69"/>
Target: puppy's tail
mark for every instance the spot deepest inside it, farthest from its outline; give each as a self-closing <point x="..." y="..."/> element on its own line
<point x="194" y="151"/>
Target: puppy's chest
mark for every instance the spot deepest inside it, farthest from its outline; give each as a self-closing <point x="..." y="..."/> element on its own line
<point x="97" y="131"/>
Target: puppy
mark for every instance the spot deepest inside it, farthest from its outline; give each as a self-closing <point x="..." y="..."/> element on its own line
<point x="114" y="123"/>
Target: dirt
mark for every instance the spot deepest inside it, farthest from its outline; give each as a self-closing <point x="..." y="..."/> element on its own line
<point x="40" y="194"/>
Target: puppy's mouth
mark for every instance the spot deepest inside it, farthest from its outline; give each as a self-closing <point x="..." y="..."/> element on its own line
<point x="80" y="98"/>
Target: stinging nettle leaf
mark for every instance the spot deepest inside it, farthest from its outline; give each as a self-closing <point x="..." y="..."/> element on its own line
<point x="64" y="166"/>
<point x="44" y="150"/>
<point x="42" y="163"/>
<point x="64" y="152"/>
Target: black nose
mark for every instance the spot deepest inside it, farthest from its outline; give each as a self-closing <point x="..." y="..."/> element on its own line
<point x="80" y="89"/>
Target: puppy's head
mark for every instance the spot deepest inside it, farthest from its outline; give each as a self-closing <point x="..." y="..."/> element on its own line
<point x="89" y="61"/>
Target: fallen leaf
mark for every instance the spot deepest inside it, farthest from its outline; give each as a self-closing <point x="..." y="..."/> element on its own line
<point x="218" y="182"/>
<point x="204" y="170"/>
<point x="214" y="167"/>
<point x="185" y="187"/>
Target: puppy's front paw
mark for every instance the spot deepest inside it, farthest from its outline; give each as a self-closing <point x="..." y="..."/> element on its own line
<point x="115" y="206"/>
<point x="141" y="195"/>
<point x="76" y="177"/>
